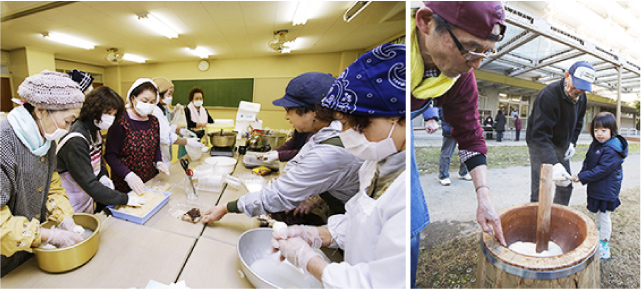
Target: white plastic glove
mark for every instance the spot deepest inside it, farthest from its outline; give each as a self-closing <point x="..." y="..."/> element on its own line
<point x="135" y="200"/>
<point x="60" y="238"/>
<point x="107" y="182"/>
<point x="308" y="233"/>
<point x="162" y="167"/>
<point x="135" y="183"/>
<point x="173" y="128"/>
<point x="431" y="126"/>
<point x="561" y="176"/>
<point x="569" y="153"/>
<point x="186" y="132"/>
<point x="270" y="156"/>
<point x="195" y="143"/>
<point x="67" y="224"/>
<point x="297" y="252"/>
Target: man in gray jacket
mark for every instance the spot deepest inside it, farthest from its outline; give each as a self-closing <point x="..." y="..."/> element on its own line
<point x="321" y="167"/>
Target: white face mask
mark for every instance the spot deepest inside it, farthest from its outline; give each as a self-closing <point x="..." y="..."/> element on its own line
<point x="106" y="120"/>
<point x="357" y="144"/>
<point x="144" y="108"/>
<point x="58" y="133"/>
<point x="167" y="100"/>
<point x="198" y="103"/>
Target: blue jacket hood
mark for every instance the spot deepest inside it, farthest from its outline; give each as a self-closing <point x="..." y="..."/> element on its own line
<point x="619" y="144"/>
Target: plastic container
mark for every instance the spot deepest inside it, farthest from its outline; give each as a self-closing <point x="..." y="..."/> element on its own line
<point x="203" y="171"/>
<point x="212" y="183"/>
<point x="138" y="219"/>
<point x="194" y="153"/>
<point x="253" y="183"/>
<point x="222" y="165"/>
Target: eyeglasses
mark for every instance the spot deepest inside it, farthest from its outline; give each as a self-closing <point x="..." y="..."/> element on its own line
<point x="466" y="53"/>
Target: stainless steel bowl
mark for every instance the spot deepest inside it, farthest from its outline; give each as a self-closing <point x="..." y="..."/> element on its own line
<point x="65" y="259"/>
<point x="274" y="139"/>
<point x="253" y="245"/>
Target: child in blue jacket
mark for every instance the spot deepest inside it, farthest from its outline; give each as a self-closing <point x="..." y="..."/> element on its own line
<point x="602" y="171"/>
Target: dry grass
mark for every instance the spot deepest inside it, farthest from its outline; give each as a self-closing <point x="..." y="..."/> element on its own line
<point x="497" y="157"/>
<point x="449" y="252"/>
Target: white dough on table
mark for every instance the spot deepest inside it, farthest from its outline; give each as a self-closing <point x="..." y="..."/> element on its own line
<point x="152" y="198"/>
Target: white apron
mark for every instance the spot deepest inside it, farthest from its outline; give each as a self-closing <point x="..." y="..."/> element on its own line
<point x="79" y="199"/>
<point x="373" y="236"/>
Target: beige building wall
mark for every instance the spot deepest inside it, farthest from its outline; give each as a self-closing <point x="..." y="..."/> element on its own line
<point x="271" y="75"/>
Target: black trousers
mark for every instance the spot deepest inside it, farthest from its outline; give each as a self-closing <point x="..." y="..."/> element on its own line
<point x="562" y="194"/>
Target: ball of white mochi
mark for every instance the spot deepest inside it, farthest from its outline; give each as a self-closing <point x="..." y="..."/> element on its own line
<point x="79" y="230"/>
<point x="279" y="226"/>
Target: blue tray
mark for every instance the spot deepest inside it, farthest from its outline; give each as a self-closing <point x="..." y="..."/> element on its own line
<point x="138" y="219"/>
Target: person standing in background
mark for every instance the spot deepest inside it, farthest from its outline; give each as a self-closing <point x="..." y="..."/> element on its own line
<point x="447" y="149"/>
<point x="499" y="125"/>
<point x="197" y="116"/>
<point x="169" y="133"/>
<point x="517" y="126"/>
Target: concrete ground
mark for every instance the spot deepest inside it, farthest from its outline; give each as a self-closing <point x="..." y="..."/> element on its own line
<point x="508" y="186"/>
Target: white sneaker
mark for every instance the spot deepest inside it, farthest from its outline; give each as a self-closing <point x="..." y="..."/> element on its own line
<point x="445" y="182"/>
<point x="466" y="177"/>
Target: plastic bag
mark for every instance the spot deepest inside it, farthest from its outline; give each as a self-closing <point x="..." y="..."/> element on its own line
<point x="179" y="119"/>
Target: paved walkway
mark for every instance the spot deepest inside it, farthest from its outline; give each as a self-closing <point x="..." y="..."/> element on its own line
<point x="509" y="186"/>
<point x="423" y="139"/>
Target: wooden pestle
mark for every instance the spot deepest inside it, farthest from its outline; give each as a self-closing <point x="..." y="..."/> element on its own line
<point x="546" y="189"/>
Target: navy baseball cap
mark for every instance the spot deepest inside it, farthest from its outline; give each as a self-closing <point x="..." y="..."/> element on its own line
<point x="583" y="75"/>
<point x="373" y="85"/>
<point x="306" y="90"/>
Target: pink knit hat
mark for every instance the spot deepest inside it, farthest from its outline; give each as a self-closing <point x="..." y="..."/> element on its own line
<point x="51" y="90"/>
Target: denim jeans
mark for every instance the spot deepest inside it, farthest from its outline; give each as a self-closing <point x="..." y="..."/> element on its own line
<point x="449" y="144"/>
<point x="415" y="243"/>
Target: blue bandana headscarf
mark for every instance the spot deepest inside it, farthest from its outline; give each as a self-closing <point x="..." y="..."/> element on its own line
<point x="373" y="85"/>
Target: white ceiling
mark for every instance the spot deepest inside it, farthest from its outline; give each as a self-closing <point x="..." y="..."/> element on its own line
<point x="231" y="29"/>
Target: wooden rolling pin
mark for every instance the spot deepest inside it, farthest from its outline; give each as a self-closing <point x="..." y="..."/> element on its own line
<point x="546" y="189"/>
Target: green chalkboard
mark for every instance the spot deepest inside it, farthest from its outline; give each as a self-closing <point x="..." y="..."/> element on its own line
<point x="218" y="92"/>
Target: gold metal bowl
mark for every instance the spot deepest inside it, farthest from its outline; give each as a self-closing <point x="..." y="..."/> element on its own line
<point x="68" y="258"/>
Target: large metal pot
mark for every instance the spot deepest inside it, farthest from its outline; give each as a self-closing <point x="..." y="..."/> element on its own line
<point x="65" y="259"/>
<point x="274" y="139"/>
<point x="253" y="245"/>
<point x="222" y="139"/>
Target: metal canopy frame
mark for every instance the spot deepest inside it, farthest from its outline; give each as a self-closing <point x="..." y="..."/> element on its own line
<point x="538" y="51"/>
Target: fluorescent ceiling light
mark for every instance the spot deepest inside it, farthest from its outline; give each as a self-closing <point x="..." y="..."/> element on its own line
<point x="68" y="40"/>
<point x="200" y="51"/>
<point x="134" y="58"/>
<point x="301" y="15"/>
<point x="288" y="46"/>
<point x="155" y="24"/>
<point x="502" y="94"/>
<point x="355" y="9"/>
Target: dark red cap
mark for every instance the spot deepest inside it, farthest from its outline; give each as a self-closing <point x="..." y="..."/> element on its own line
<point x="476" y="17"/>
